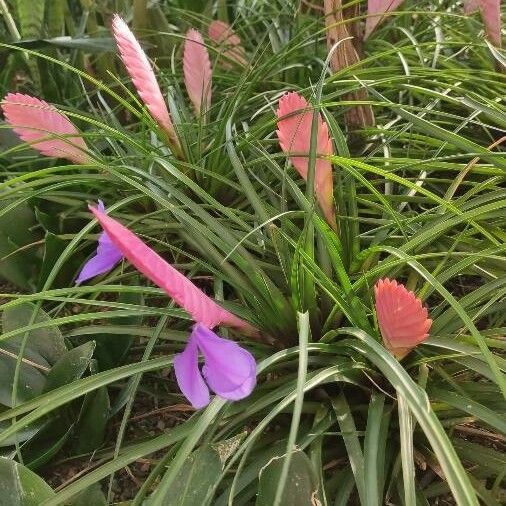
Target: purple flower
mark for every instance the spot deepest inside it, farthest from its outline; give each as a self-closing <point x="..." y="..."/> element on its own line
<point x="229" y="370"/>
<point x="106" y="257"/>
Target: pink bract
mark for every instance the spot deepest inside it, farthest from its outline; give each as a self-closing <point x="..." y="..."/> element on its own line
<point x="142" y="75"/>
<point x="44" y="127"/>
<point x="295" y="119"/>
<point x="201" y="307"/>
<point x="402" y="319"/>
<point x="197" y="71"/>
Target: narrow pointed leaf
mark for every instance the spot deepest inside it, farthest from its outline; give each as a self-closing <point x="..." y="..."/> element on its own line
<point x="201" y="307"/>
<point x="376" y="10"/>
<point x="294" y="133"/>
<point x="143" y="77"/>
<point x="44" y="127"/>
<point x="197" y="71"/>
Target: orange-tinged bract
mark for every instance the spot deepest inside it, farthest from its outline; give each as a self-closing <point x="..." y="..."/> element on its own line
<point x="221" y="33"/>
<point x="47" y="130"/>
<point x="142" y="75"/>
<point x="197" y="71"/>
<point x="295" y="119"/>
<point x="376" y="10"/>
<point x="202" y="308"/>
<point x="402" y="319"/>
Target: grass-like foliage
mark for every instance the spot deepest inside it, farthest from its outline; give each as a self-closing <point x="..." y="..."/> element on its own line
<point x="349" y="407"/>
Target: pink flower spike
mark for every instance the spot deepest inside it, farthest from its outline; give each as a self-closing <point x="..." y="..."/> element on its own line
<point x="491" y="15"/>
<point x="44" y="127"/>
<point x="143" y="77"/>
<point x="402" y="319"/>
<point x="222" y="34"/>
<point x="295" y="119"/>
<point x="197" y="71"/>
<point x="201" y="307"/>
<point x="376" y="10"/>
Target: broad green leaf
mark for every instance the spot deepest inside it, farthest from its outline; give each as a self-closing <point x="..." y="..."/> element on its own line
<point x="43" y="348"/>
<point x="301" y="483"/>
<point x="196" y="477"/>
<point x="113" y="348"/>
<point x="70" y="367"/>
<point x="92" y="423"/>
<point x="15" y="265"/>
<point x="92" y="496"/>
<point x="31" y="17"/>
<point x="374" y="442"/>
<point x="48" y="442"/>
<point x="53" y="248"/>
<point x="47" y="342"/>
<point x="23" y="434"/>
<point x="21" y="487"/>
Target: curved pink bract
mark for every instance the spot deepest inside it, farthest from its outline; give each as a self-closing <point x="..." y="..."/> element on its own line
<point x="202" y="308"/>
<point x="197" y="71"/>
<point x="223" y="34"/>
<point x="295" y="119"/>
<point x="376" y="10"/>
<point x="142" y="75"/>
<point x="491" y="15"/>
<point x="44" y="127"/>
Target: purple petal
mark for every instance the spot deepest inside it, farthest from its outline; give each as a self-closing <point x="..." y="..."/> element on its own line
<point x="229" y="370"/>
<point x="106" y="257"/>
<point x="188" y="376"/>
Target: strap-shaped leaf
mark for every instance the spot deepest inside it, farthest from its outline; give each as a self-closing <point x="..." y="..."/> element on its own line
<point x="201" y="307"/>
<point x="44" y="127"/>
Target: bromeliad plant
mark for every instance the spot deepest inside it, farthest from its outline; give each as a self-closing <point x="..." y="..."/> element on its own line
<point x="347" y="311"/>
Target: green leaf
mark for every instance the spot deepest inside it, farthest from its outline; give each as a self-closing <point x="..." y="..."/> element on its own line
<point x="47" y="443"/>
<point x="42" y="350"/>
<point x="304" y="333"/>
<point x="53" y="248"/>
<point x="15" y="266"/>
<point x="351" y="441"/>
<point x="92" y="423"/>
<point x="20" y="486"/>
<point x="113" y="348"/>
<point x="419" y="405"/>
<point x="70" y="367"/>
<point x="195" y="479"/>
<point x="301" y="483"/>
<point x="31" y="17"/>
<point x="373" y="444"/>
<point x="92" y="496"/>
<point x="47" y="342"/>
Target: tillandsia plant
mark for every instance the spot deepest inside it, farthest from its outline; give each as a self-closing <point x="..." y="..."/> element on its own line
<point x="251" y="314"/>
